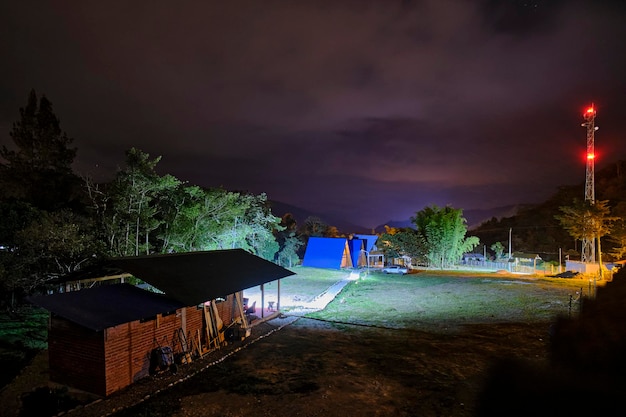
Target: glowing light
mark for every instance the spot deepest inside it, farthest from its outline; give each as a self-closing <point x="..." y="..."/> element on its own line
<point x="590" y="156"/>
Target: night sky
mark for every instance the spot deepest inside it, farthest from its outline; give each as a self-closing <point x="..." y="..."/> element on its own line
<point x="369" y="110"/>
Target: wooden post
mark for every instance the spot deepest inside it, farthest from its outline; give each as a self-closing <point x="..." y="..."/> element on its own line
<point x="207" y="327"/>
<point x="262" y="300"/>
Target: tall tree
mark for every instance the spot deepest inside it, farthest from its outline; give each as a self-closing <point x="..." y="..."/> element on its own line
<point x="618" y="232"/>
<point x="443" y="232"/>
<point x="314" y="227"/>
<point x="39" y="170"/>
<point x="498" y="249"/>
<point x="288" y="240"/>
<point x="198" y="219"/>
<point x="288" y="253"/>
<point x="253" y="229"/>
<point x="130" y="209"/>
<point x="587" y="220"/>
<point x="396" y="242"/>
<point x="43" y="231"/>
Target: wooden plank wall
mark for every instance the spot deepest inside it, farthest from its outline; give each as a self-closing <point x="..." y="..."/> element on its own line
<point x="227" y="311"/>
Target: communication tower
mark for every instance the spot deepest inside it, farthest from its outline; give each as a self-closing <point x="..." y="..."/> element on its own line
<point x="588" y="250"/>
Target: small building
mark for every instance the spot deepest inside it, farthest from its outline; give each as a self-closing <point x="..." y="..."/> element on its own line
<point x="473" y="257"/>
<point x="103" y="339"/>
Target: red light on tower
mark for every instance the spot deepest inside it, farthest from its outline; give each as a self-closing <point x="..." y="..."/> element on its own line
<point x="590" y="156"/>
<point x="590" y="111"/>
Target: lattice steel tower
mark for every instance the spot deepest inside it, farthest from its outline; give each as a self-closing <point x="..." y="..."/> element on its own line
<point x="588" y="250"/>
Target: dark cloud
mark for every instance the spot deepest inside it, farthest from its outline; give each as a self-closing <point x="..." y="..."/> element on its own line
<point x="330" y="105"/>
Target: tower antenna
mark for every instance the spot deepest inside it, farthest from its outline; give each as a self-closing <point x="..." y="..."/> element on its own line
<point x="588" y="252"/>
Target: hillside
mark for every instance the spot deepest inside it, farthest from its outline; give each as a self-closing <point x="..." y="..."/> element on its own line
<point x="534" y="229"/>
<point x="474" y="217"/>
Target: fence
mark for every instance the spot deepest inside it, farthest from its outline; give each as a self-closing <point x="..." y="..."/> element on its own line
<point x="576" y="302"/>
<point x="497" y="266"/>
<point x="545" y="269"/>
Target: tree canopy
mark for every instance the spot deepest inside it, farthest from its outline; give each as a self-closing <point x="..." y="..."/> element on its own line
<point x="438" y="237"/>
<point x="587" y="220"/>
<point x="54" y="223"/>
<point x="443" y="232"/>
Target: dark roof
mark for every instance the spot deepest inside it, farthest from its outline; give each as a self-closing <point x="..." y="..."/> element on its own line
<point x="106" y="306"/>
<point x="187" y="279"/>
<point x="94" y="271"/>
<point x="195" y="277"/>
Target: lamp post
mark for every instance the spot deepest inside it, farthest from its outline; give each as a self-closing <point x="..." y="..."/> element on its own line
<point x="510" y="231"/>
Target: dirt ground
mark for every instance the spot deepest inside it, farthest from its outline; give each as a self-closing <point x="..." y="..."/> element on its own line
<point x="303" y="367"/>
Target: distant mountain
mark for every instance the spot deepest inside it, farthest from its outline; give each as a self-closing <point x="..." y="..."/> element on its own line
<point x="474" y="217"/>
<point x="279" y="209"/>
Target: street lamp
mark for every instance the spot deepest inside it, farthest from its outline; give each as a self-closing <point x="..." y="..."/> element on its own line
<point x="510" y="232"/>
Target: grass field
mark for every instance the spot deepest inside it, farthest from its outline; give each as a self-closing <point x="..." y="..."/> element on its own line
<point x="22" y="334"/>
<point x="430" y="299"/>
<point x="435" y="300"/>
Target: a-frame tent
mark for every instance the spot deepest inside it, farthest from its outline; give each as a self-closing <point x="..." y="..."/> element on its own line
<point x="327" y="252"/>
<point x="374" y="256"/>
<point x="357" y="252"/>
<point x="370" y="241"/>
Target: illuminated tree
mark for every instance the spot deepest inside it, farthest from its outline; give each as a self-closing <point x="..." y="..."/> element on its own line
<point x="129" y="209"/>
<point x="195" y="217"/>
<point x="587" y="220"/>
<point x="397" y="242"/>
<point x="252" y="228"/>
<point x="498" y="249"/>
<point x="288" y="254"/>
<point x="288" y="241"/>
<point x="618" y="232"/>
<point x="443" y="232"/>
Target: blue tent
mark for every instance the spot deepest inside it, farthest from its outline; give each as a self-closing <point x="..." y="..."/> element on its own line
<point x="357" y="246"/>
<point x="327" y="252"/>
<point x="370" y="241"/>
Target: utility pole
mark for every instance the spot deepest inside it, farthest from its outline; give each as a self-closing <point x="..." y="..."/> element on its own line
<point x="510" y="232"/>
<point x="588" y="252"/>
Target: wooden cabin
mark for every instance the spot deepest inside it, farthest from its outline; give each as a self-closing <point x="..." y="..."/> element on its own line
<point x="104" y="338"/>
